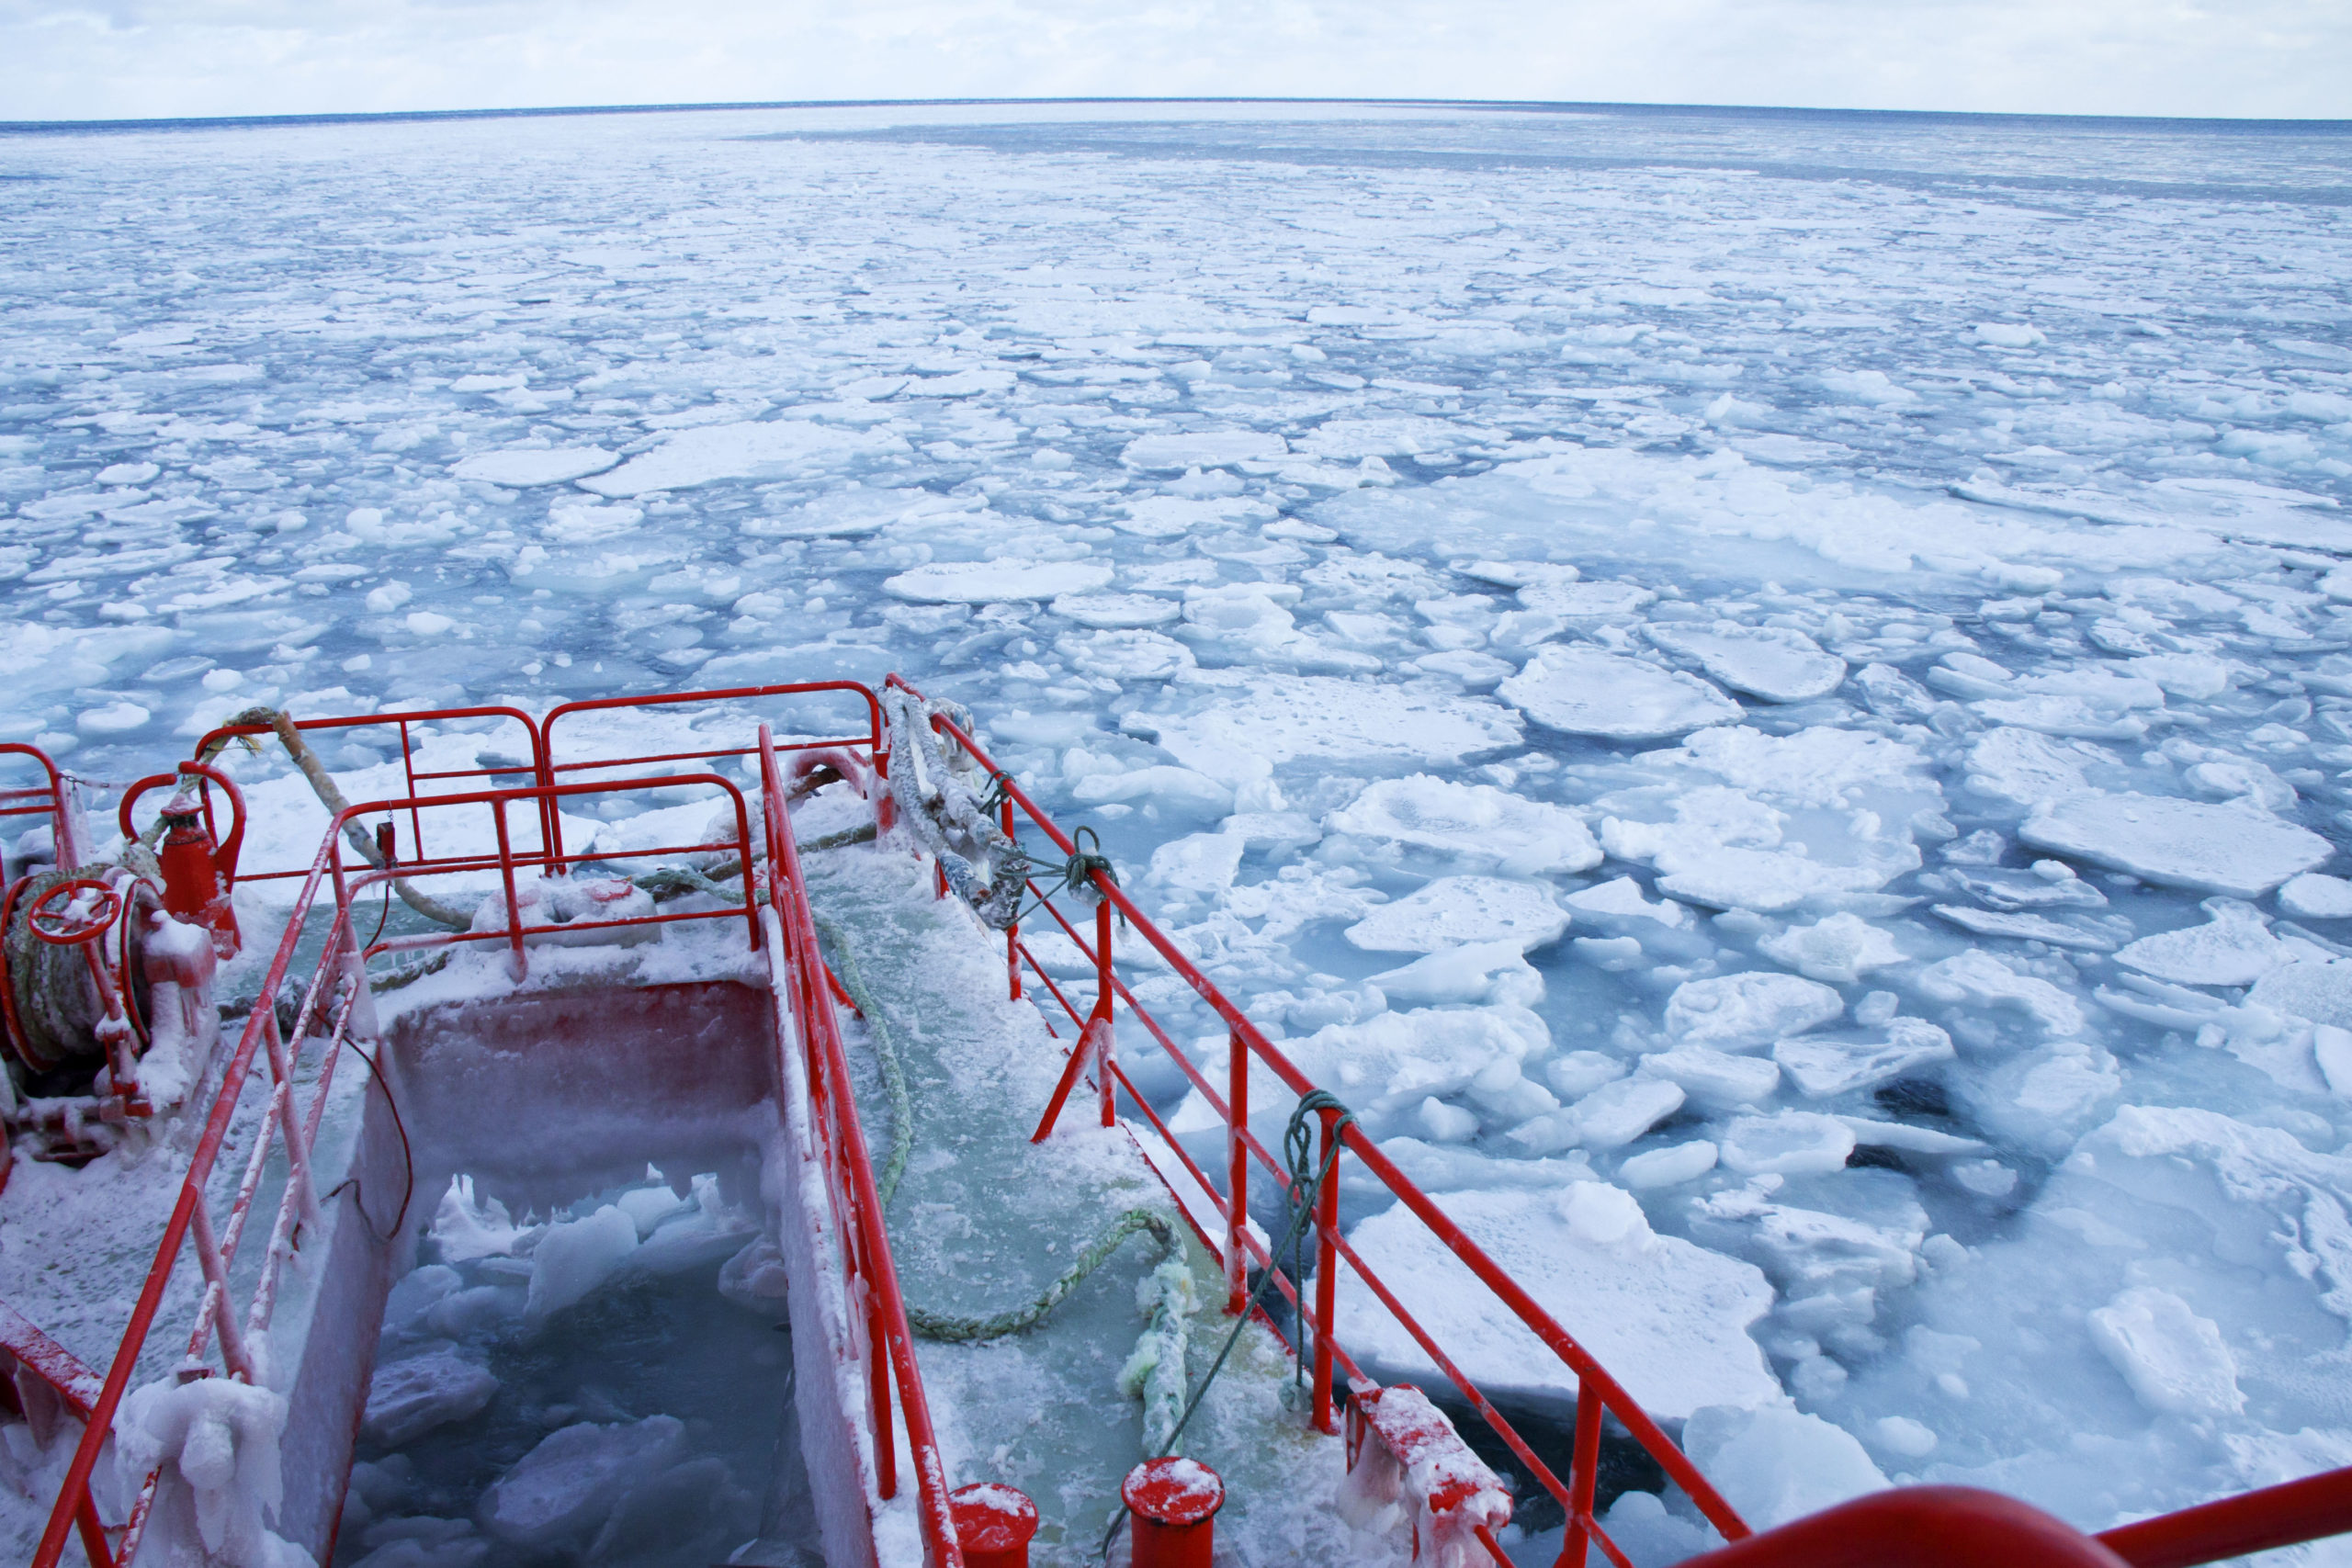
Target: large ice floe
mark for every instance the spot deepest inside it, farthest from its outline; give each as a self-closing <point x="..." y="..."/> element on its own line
<point x="1774" y="717"/>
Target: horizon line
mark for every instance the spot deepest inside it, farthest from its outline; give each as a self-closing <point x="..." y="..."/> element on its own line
<point x="179" y="122"/>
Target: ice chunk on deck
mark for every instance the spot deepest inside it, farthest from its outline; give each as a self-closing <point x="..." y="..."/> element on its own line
<point x="222" y="1437"/>
<point x="1584" y="691"/>
<point x="1457" y="909"/>
<point x="565" y="1486"/>
<point x="1472" y="822"/>
<point x="993" y="581"/>
<point x="1778" y="1464"/>
<point x="523" y="467"/>
<point x="2175" y="1360"/>
<point x="768" y="449"/>
<point x="1740" y="1012"/>
<point x="409" y="1398"/>
<point x="1668" y="1318"/>
<point x="1776" y="663"/>
<point x="1268" y="720"/>
<point x="2181" y="844"/>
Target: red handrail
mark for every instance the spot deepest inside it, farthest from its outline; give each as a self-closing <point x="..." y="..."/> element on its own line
<point x="867" y="1243"/>
<point x="549" y="767"/>
<point x="2278" y="1515"/>
<point x="1596" y="1390"/>
<point x="281" y="1122"/>
<point x="1920" y="1527"/>
<point x="1960" y="1526"/>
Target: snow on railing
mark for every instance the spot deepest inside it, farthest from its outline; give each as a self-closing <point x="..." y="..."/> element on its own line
<point x="1240" y="1247"/>
<point x="335" y="1004"/>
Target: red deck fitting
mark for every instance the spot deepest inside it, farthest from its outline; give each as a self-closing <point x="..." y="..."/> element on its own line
<point x="1172" y="1503"/>
<point x="993" y="1524"/>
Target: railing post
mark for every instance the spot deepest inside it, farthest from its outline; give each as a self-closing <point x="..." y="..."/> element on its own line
<point x="1103" y="994"/>
<point x="1584" y="1474"/>
<point x="216" y="1289"/>
<point x="516" y="963"/>
<point x="1012" y="931"/>
<point x="93" y="1532"/>
<point x="1327" y="1271"/>
<point x="877" y="1364"/>
<point x="1236" y="1177"/>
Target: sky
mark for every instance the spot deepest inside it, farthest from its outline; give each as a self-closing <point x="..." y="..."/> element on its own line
<point x="138" y="59"/>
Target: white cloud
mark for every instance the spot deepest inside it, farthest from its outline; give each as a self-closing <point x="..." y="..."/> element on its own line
<point x="143" y="58"/>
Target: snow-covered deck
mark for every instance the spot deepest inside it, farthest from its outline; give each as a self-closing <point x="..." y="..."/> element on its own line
<point x="984" y="1220"/>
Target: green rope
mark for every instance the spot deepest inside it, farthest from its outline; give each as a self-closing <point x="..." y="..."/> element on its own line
<point x="885" y="1051"/>
<point x="1305" y="1187"/>
<point x="669" y="881"/>
<point x="960" y="1330"/>
<point x="941" y="1325"/>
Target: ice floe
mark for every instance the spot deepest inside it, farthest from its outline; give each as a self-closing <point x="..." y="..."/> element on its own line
<point x="2180" y="844"/>
<point x="1586" y="690"/>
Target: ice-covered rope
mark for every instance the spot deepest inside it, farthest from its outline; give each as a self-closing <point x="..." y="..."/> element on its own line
<point x="940" y="1325"/>
<point x="323" y="784"/>
<point x="1029" y="1313"/>
<point x="1305" y="1187"/>
<point x="958" y="828"/>
<point x="52" y="984"/>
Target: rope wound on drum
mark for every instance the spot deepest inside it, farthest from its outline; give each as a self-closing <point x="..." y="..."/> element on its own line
<point x="957" y="825"/>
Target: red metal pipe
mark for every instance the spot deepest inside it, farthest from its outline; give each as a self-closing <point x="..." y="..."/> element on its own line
<point x="1327" y="1271"/>
<point x="2278" y="1515"/>
<point x="1236" y="1172"/>
<point x="789" y="897"/>
<point x="1920" y="1527"/>
<point x="1584" y="1474"/>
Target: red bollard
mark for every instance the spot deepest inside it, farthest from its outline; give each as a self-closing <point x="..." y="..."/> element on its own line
<point x="1172" y="1503"/>
<point x="993" y="1525"/>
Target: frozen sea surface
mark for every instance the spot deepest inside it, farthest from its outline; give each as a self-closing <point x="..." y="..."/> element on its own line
<point x="1795" y="666"/>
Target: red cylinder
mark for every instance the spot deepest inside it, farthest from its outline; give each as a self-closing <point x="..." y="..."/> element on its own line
<point x="1172" y="1503"/>
<point x="993" y="1525"/>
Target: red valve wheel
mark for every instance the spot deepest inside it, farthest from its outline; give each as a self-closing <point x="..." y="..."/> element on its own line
<point x="67" y="926"/>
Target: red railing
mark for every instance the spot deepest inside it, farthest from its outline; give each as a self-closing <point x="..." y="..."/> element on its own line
<point x="1229" y="1229"/>
<point x="848" y="1178"/>
<point x="531" y="766"/>
<point x="330" y="1000"/>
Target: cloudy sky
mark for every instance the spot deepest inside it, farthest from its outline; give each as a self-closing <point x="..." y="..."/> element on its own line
<point x="114" y="59"/>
